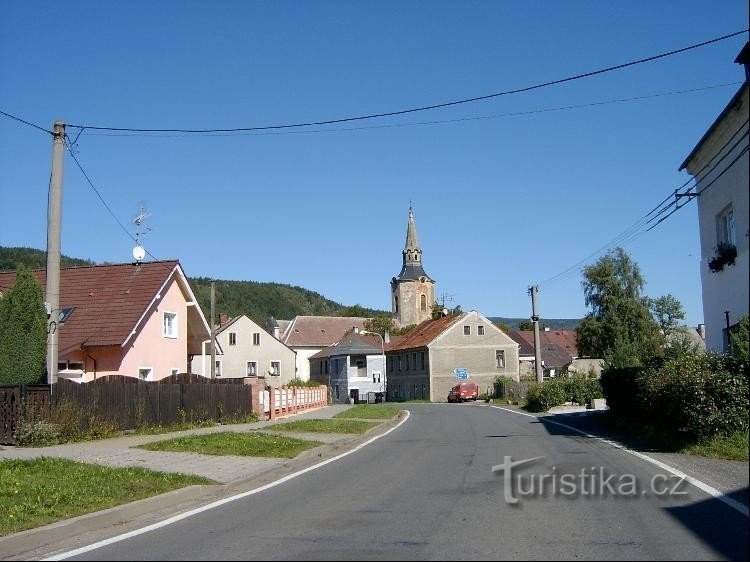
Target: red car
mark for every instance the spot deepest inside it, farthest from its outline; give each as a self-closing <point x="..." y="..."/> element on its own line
<point x="464" y="391"/>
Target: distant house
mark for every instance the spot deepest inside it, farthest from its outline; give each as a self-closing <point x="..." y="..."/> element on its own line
<point x="427" y="362"/>
<point x="719" y="163"/>
<point x="307" y="335"/>
<point x="559" y="351"/>
<point x="125" y="319"/>
<point x="247" y="350"/>
<point x="351" y="368"/>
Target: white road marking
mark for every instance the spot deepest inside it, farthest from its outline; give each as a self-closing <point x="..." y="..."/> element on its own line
<point x="710" y="490"/>
<point x="218" y="503"/>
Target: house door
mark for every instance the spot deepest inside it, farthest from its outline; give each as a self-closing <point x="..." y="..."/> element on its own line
<point x="354" y="393"/>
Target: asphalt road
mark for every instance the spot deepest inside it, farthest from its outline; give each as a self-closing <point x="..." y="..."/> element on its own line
<point x="427" y="491"/>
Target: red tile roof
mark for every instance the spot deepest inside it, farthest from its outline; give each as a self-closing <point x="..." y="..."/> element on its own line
<point x="319" y="331"/>
<point x="423" y="333"/>
<point x="553" y="354"/>
<point x="109" y="299"/>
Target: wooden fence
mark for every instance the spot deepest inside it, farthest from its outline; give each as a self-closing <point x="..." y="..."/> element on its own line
<point x="21" y="402"/>
<point x="127" y="402"/>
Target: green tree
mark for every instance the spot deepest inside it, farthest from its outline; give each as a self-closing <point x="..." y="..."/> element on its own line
<point x="23" y="331"/>
<point x="668" y="312"/>
<point x="380" y="324"/>
<point x="357" y="310"/>
<point x="739" y="340"/>
<point x="619" y="328"/>
<point x="526" y="325"/>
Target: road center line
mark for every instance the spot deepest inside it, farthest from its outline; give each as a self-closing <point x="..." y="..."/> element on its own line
<point x="218" y="503"/>
<point x="710" y="490"/>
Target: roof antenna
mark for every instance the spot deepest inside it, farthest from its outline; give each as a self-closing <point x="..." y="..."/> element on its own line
<point x="139" y="252"/>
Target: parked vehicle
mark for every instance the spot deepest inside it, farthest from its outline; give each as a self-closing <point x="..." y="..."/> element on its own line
<point x="464" y="391"/>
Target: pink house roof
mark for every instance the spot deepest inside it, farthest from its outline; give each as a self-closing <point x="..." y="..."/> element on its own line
<point x="319" y="331"/>
<point x="110" y="300"/>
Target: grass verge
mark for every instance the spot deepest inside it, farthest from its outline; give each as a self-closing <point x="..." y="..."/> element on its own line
<point x="734" y="448"/>
<point x="325" y="426"/>
<point x="40" y="491"/>
<point x="237" y="444"/>
<point x="368" y="412"/>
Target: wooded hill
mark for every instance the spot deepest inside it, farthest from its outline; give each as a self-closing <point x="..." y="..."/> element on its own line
<point x="257" y="300"/>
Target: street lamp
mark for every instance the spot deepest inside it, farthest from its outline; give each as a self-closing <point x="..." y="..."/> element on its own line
<point x="382" y="347"/>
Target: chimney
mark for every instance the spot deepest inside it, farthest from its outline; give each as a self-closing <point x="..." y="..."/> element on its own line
<point x="701" y="331"/>
<point x="276" y="331"/>
<point x="546" y="328"/>
<point x="356" y="329"/>
<point x="387" y="337"/>
<point x="223" y="318"/>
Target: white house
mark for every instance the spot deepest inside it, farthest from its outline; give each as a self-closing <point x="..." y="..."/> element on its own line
<point x="719" y="163"/>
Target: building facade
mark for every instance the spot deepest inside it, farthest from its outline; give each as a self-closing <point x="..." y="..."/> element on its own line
<point x="720" y="166"/>
<point x="247" y="350"/>
<point x="412" y="291"/>
<point x="428" y="361"/>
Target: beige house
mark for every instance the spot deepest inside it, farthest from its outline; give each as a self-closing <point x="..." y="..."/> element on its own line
<point x="427" y="362"/>
<point x="247" y="350"/>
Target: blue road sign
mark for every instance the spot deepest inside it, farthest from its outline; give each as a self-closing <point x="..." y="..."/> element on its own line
<point x="462" y="374"/>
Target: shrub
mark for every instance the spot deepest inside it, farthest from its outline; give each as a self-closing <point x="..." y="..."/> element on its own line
<point x="581" y="389"/>
<point x="38" y="434"/>
<point x="620" y="388"/>
<point x="300" y="383"/>
<point x="695" y="396"/>
<point x="543" y="396"/>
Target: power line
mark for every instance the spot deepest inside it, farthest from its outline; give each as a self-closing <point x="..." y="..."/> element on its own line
<point x="25" y="122"/>
<point x="638" y="229"/>
<point x="422" y="123"/>
<point x="425" y="107"/>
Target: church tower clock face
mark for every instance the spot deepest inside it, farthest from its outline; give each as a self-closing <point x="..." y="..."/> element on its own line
<point x="412" y="290"/>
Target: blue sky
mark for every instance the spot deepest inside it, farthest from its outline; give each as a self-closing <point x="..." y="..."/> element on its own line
<point x="501" y="202"/>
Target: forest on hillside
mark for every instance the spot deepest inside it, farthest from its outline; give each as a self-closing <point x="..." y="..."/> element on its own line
<point x="257" y="300"/>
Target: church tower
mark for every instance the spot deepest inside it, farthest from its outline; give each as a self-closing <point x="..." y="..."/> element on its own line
<point x="412" y="292"/>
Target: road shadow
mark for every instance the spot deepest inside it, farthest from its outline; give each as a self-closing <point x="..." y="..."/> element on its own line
<point x="707" y="520"/>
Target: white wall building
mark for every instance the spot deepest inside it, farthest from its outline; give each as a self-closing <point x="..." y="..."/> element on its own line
<point x="719" y="163"/>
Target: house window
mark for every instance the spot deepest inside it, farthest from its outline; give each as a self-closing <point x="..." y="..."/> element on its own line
<point x="725" y="227"/>
<point x="421" y="359"/>
<point x="217" y="370"/>
<point x="337" y="392"/>
<point x="399" y="362"/>
<point x="275" y="368"/>
<point x="480" y="330"/>
<point x="325" y="364"/>
<point x="396" y="304"/>
<point x="423" y="303"/>
<point x="169" y="328"/>
<point x="256" y="338"/>
<point x="376" y="376"/>
<point x="414" y="361"/>
<point x="416" y="391"/>
<point x="500" y="358"/>
<point x="145" y="373"/>
<point x="232" y="338"/>
<point x="424" y="392"/>
<point x="252" y="369"/>
<point x="467" y="330"/>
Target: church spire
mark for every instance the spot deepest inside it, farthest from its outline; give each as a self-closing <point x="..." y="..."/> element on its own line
<point x="412" y="254"/>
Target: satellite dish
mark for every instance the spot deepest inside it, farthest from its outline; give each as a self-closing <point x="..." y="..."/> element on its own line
<point x="139" y="253"/>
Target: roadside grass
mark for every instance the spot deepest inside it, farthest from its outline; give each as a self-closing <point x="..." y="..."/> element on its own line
<point x="507" y="402"/>
<point x="250" y="444"/>
<point x="369" y="412"/>
<point x="40" y="491"/>
<point x="325" y="426"/>
<point x="734" y="447"/>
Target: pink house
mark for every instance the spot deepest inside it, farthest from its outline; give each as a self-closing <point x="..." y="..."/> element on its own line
<point x="139" y="320"/>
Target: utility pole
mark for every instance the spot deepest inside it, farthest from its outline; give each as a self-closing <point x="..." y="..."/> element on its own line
<point x="533" y="290"/>
<point x="54" y="223"/>
<point x="213" y="329"/>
